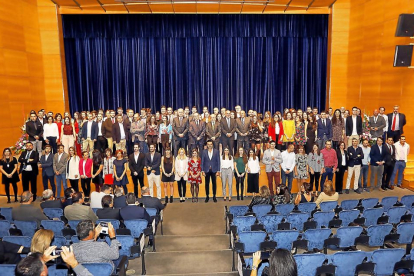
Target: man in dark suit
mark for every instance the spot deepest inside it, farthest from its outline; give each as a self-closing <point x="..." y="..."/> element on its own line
<point x="353" y="126"/>
<point x="180" y="127"/>
<point x="210" y="168"/>
<point x="89" y="134"/>
<point x="242" y="129"/>
<point x="49" y="201"/>
<point x="228" y="128"/>
<point x="35" y="131"/>
<point x="324" y="130"/>
<point x="396" y="123"/>
<point x="213" y="131"/>
<point x="108" y="211"/>
<point x="355" y="156"/>
<point x="27" y="211"/>
<point x="389" y="164"/>
<point x="150" y="202"/>
<point x="121" y="133"/>
<point x="136" y="165"/>
<point x="48" y="175"/>
<point x="28" y="168"/>
<point x="133" y="211"/>
<point x="197" y="130"/>
<point x="153" y="162"/>
<point x="378" y="156"/>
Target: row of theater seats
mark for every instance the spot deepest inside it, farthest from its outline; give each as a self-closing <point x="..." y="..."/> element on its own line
<point x="132" y="234"/>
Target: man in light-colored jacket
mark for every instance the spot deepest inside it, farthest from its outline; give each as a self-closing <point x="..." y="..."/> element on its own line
<point x="59" y="167"/>
<point x="272" y="158"/>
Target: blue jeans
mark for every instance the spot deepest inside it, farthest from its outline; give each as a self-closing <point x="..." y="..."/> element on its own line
<point x="60" y="178"/>
<point x="328" y="173"/>
<point x="364" y="173"/>
<point x="398" y="168"/>
<point x="289" y="177"/>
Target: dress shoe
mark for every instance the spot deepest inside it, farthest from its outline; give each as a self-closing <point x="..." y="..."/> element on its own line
<point x="206" y="200"/>
<point x="171" y="199"/>
<point x="357" y="191"/>
<point x="381" y="190"/>
<point x="340" y="192"/>
<point x="8" y="202"/>
<point x="367" y="190"/>
<point x="391" y="187"/>
<point x="238" y="198"/>
<point x="214" y="199"/>
<point x="347" y="191"/>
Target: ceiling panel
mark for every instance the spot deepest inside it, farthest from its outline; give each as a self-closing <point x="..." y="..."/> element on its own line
<point x="272" y="9"/>
<point x="322" y="3"/>
<point x="161" y="8"/>
<point x="185" y="8"/>
<point x="248" y="8"/>
<point x="65" y="3"/>
<point x="300" y="3"/>
<point x="115" y="8"/>
<point x="230" y="8"/>
<point x="208" y="8"/>
<point x="139" y="8"/>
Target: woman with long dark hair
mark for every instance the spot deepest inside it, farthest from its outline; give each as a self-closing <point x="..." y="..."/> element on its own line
<point x="315" y="165"/>
<point x="85" y="171"/>
<point x="194" y="174"/>
<point x="255" y="135"/>
<point x="342" y="156"/>
<point x="51" y="133"/>
<point x="97" y="168"/>
<point x="253" y="170"/>
<point x="72" y="169"/>
<point x="310" y="132"/>
<point x="240" y="162"/>
<point x="8" y="168"/>
<point x="168" y="176"/>
<point x="281" y="263"/>
<point x="275" y="130"/>
<point x="338" y="129"/>
<point x="282" y="195"/>
<point x="152" y="132"/>
<point x="226" y="172"/>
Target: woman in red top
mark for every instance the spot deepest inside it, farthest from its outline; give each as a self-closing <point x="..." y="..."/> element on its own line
<point x="85" y="172"/>
<point x="68" y="134"/>
<point x="194" y="176"/>
<point x="276" y="130"/>
<point x="58" y="121"/>
<point x="76" y="121"/>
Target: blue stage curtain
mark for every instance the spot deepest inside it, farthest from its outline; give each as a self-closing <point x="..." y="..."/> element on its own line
<point x="262" y="62"/>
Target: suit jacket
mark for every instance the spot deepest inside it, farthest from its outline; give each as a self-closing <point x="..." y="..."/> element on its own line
<point x="376" y="156"/>
<point x="339" y="157"/>
<point x="390" y="160"/>
<point x="349" y="124"/>
<point x="34" y="129"/>
<point x="23" y="161"/>
<point x="324" y="130"/>
<point x="137" y="166"/>
<point x="120" y="202"/>
<point x="402" y="122"/>
<point x="61" y="165"/>
<point x="380" y="124"/>
<point x="197" y="131"/>
<point x="210" y="132"/>
<point x="28" y="212"/>
<point x="225" y="127"/>
<point x="353" y="158"/>
<point x="78" y="211"/>
<point x="242" y="129"/>
<point x="109" y="213"/>
<point x="94" y="130"/>
<point x="107" y="128"/>
<point x="47" y="165"/>
<point x="152" y="202"/>
<point x="51" y="204"/>
<point x="135" y="212"/>
<point x="154" y="164"/>
<point x="116" y="132"/>
<point x="267" y="160"/>
<point x="180" y="129"/>
<point x="214" y="163"/>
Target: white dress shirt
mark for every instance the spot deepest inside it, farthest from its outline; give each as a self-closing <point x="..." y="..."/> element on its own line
<point x="354" y="125"/>
<point x="122" y="131"/>
<point x="89" y="130"/>
<point x="50" y="130"/>
<point x="401" y="152"/>
<point x="288" y="161"/>
<point x="100" y="128"/>
<point x="253" y="165"/>
<point x="225" y="164"/>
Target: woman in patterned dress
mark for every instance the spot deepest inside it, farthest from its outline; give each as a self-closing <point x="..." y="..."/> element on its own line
<point x="266" y="122"/>
<point x="194" y="174"/>
<point x="300" y="137"/>
<point x="255" y="135"/>
<point x="338" y="129"/>
<point x="301" y="167"/>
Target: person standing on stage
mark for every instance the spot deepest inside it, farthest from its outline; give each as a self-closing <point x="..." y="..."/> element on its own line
<point x="120" y="134"/>
<point x="389" y="164"/>
<point x="288" y="165"/>
<point x="402" y="150"/>
<point x="168" y="176"/>
<point x="376" y="124"/>
<point x="8" y="168"/>
<point x="28" y="168"/>
<point x="396" y="123"/>
<point x="107" y="128"/>
<point x="136" y="166"/>
<point x="194" y="174"/>
<point x="153" y="163"/>
<point x="213" y="131"/>
<point x="181" y="173"/>
<point x="228" y="128"/>
<point x="272" y="158"/>
<point x="353" y="127"/>
<point x="330" y="159"/>
<point x="210" y="168"/>
<point x="180" y="128"/>
<point x="34" y="130"/>
<point x="197" y="130"/>
<point x="355" y="156"/>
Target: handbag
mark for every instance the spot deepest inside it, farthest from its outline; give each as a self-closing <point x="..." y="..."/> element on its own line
<point x="109" y="179"/>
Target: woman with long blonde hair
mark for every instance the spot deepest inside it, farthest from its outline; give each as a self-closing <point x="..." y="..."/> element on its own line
<point x="181" y="173"/>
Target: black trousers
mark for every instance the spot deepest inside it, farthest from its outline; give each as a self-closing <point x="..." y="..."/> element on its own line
<point x="228" y="142"/>
<point x="239" y="184"/>
<point x="396" y="135"/>
<point x="7" y="188"/>
<point x="86" y="186"/>
<point x="315" y="177"/>
<point x="100" y="144"/>
<point x="182" y="187"/>
<point x="210" y="176"/>
<point x="74" y="183"/>
<point x="52" y="143"/>
<point x="135" y="179"/>
<point x="29" y="177"/>
<point x="339" y="178"/>
<point x="386" y="176"/>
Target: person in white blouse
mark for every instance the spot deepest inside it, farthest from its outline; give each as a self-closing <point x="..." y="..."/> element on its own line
<point x="288" y="165"/>
<point x="226" y="172"/>
<point x="72" y="169"/>
<point x="108" y="168"/>
<point x="253" y="172"/>
<point x="51" y="133"/>
<point x="181" y="173"/>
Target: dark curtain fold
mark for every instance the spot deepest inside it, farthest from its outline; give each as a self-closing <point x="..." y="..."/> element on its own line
<point x="263" y="62"/>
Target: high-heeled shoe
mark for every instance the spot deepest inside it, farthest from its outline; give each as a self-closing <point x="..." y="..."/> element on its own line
<point x="171" y="199"/>
<point x="166" y="199"/>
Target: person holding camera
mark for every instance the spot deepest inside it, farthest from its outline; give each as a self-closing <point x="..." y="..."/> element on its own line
<point x="88" y="250"/>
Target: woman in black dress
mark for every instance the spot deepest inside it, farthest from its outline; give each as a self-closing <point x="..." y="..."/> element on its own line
<point x="8" y="168"/>
<point x="97" y="167"/>
<point x="342" y="167"/>
<point x="310" y="132"/>
<point x="167" y="167"/>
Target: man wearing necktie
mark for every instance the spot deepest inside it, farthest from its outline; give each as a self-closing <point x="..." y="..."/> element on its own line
<point x="180" y="128"/>
<point x="213" y="131"/>
<point x="389" y="164"/>
<point x="378" y="156"/>
<point x="396" y="123"/>
<point x="29" y="169"/>
<point x="377" y="124"/>
<point x="228" y="128"/>
<point x="324" y="130"/>
<point x="242" y="129"/>
<point x="197" y="130"/>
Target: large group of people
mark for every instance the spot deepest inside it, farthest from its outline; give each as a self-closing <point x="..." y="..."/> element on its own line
<point x="98" y="147"/>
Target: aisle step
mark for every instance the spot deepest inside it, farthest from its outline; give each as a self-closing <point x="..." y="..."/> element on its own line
<point x="169" y="243"/>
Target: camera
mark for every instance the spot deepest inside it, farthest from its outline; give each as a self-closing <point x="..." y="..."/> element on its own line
<point x="57" y="252"/>
<point x="104" y="227"/>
